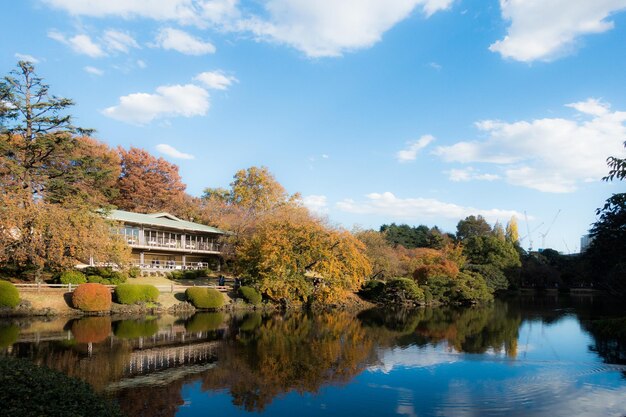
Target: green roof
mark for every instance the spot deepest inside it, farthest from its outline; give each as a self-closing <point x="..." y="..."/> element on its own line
<point x="161" y="220"/>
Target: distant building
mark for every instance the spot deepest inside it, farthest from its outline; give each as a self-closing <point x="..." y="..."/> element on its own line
<point x="585" y="241"/>
<point x="161" y="241"/>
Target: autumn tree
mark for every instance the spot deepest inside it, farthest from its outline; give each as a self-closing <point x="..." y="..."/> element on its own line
<point x="382" y="256"/>
<point x="289" y="251"/>
<point x="148" y="184"/>
<point x="42" y="236"/>
<point x="512" y="232"/>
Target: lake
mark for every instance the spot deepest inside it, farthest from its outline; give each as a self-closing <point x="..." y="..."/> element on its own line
<point x="523" y="356"/>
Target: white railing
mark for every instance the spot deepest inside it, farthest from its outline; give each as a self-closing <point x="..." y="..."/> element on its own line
<point x="171" y="265"/>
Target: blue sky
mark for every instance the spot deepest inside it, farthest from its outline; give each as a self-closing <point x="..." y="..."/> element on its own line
<point x="376" y="111"/>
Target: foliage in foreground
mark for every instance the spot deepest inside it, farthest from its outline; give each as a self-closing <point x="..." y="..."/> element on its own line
<point x="205" y="298"/>
<point x="29" y="390"/>
<point x="136" y="293"/>
<point x="92" y="298"/>
<point x="9" y="296"/>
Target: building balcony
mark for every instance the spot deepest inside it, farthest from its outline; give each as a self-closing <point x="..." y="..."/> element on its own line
<point x="177" y="246"/>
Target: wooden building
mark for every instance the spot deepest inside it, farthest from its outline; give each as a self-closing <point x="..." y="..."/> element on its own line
<point x="161" y="241"/>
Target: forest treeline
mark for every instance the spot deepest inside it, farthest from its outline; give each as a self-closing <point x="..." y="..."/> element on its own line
<point x="57" y="183"/>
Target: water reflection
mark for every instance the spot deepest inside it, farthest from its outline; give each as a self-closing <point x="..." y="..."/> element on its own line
<point x="517" y="354"/>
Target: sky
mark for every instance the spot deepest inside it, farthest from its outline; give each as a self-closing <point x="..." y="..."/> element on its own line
<point x="376" y="111"/>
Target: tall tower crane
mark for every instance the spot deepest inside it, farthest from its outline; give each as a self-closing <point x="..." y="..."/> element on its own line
<point x="530" y="237"/>
<point x="543" y="235"/>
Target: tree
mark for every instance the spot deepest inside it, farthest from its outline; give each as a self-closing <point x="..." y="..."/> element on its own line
<point x="472" y="226"/>
<point x="289" y="251"/>
<point x="148" y="184"/>
<point x="512" y="233"/>
<point x="38" y="235"/>
<point x="257" y="190"/>
<point x="42" y="151"/>
<point x="608" y="247"/>
<point x="382" y="256"/>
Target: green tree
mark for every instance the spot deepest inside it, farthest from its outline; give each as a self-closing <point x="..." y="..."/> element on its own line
<point x="608" y="248"/>
<point x="472" y="226"/>
<point x="40" y="147"/>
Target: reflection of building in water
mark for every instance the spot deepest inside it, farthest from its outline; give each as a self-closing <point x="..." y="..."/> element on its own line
<point x="113" y="364"/>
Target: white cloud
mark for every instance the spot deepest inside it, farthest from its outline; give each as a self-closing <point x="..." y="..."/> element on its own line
<point x="216" y="80"/>
<point x="93" y="70"/>
<point x="81" y="44"/>
<point x="546" y="29"/>
<point x="470" y="174"/>
<point x="179" y="10"/>
<point x="26" y="57"/>
<point x="117" y="41"/>
<point x="168" y="101"/>
<point x="173" y="152"/>
<point x="183" y="42"/>
<point x="413" y="147"/>
<point x="328" y="27"/>
<point x="549" y="155"/>
<point x="141" y="63"/>
<point x="316" y="203"/>
<point x="435" y="66"/>
<point x="318" y="28"/>
<point x="387" y="204"/>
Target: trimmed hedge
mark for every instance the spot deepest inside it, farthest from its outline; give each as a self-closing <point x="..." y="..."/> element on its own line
<point x="204" y="322"/>
<point x="251" y="295"/>
<point x="92" y="298"/>
<point x="401" y="291"/>
<point x="9" y="296"/>
<point x="31" y="390"/>
<point x="134" y="329"/>
<point x="91" y="329"/>
<point x="73" y="277"/>
<point x="136" y="293"/>
<point x="205" y="297"/>
<point x="372" y="289"/>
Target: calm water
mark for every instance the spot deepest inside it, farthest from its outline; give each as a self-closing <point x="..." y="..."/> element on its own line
<point x="527" y="356"/>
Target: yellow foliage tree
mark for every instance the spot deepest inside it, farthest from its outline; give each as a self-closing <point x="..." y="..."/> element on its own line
<point x="292" y="256"/>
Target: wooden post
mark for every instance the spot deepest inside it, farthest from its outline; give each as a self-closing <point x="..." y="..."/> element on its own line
<point x="38" y="286"/>
<point x="172" y="288"/>
<point x="69" y="287"/>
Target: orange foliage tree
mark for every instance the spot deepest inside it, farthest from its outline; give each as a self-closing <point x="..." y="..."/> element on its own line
<point x="148" y="184"/>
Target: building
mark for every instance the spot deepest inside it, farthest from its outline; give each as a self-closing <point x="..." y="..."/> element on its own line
<point x="585" y="241"/>
<point x="161" y="241"/>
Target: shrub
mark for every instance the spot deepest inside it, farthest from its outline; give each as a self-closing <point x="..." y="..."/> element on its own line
<point x="133" y="329"/>
<point x="136" y="293"/>
<point x="92" y="298"/>
<point x="108" y="275"/>
<point x="72" y="277"/>
<point x="97" y="279"/>
<point x="204" y="322"/>
<point x="190" y="274"/>
<point x="372" y="289"/>
<point x="9" y="296"/>
<point x="402" y="291"/>
<point x="48" y="392"/>
<point x="176" y="275"/>
<point x="205" y="297"/>
<point x="251" y="295"/>
<point x="8" y="335"/>
<point x="91" y="329"/>
<point x="134" y="272"/>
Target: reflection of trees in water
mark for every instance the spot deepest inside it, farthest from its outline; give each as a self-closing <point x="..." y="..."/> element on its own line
<point x="609" y="339"/>
<point x="296" y="353"/>
<point x="472" y="330"/>
<point x="153" y="401"/>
